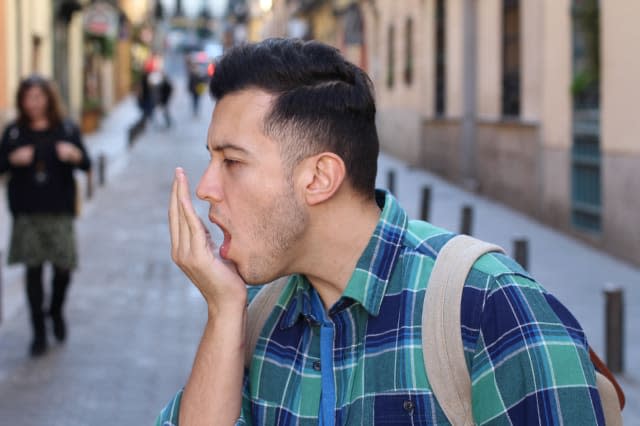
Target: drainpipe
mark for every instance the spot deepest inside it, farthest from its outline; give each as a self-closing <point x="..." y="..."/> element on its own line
<point x="468" y="174"/>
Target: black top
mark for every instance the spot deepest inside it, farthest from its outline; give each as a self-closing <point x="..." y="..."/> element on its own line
<point x="47" y="184"/>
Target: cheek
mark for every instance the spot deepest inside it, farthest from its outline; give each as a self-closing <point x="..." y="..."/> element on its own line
<point x="252" y="216"/>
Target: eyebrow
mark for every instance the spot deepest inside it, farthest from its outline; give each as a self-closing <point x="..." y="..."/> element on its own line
<point x="227" y="146"/>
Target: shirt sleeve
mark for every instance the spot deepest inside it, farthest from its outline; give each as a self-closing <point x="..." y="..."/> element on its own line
<point x="170" y="413"/>
<point x="531" y="363"/>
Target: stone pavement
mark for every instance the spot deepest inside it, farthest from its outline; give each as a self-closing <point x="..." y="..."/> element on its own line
<point x="135" y="320"/>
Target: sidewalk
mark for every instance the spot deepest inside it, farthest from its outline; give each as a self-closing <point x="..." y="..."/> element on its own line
<point x="576" y="273"/>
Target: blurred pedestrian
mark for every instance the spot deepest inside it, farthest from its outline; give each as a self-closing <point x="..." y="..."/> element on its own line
<point x="40" y="150"/>
<point x="164" y="91"/>
<point x="197" y="86"/>
<point x="146" y="101"/>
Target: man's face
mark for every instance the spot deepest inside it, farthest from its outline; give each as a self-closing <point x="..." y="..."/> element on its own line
<point x="251" y="195"/>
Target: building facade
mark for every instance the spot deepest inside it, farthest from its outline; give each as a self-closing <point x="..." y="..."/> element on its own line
<point x="26" y="47"/>
<point x="529" y="102"/>
<point x="51" y="38"/>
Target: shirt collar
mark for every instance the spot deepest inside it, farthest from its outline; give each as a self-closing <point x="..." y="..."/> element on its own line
<point x="368" y="283"/>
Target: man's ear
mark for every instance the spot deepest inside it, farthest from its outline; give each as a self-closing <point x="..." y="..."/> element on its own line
<point x="322" y="175"/>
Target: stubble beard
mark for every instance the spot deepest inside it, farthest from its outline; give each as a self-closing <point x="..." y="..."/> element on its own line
<point x="281" y="226"/>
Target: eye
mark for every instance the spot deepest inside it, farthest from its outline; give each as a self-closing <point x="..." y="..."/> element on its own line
<point x="230" y="162"/>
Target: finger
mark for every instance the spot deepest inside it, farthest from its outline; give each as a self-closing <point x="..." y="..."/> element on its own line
<point x="183" y="199"/>
<point x="208" y="238"/>
<point x="174" y="229"/>
<point x="197" y="230"/>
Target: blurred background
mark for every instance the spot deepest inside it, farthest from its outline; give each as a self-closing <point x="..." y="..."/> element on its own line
<point x="523" y="112"/>
<point x="530" y="102"/>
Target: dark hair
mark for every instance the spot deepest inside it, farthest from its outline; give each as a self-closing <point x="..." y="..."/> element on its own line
<point x="322" y="102"/>
<point x="55" y="112"/>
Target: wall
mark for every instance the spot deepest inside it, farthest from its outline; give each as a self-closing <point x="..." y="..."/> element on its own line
<point x="508" y="161"/>
<point x="620" y="128"/>
<point x="531" y="78"/>
<point x="11" y="56"/>
<point x="323" y="24"/>
<point x="5" y="99"/>
<point x="489" y="57"/>
<point x="556" y="116"/>
<point x="75" y="65"/>
<point x="402" y="108"/>
<point x="36" y="20"/>
<point x="437" y="152"/>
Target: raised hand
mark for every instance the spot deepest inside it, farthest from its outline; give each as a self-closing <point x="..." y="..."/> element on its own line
<point x="195" y="253"/>
<point x="68" y="153"/>
<point x="22" y="157"/>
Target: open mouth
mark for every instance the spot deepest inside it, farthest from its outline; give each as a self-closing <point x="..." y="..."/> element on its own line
<point x="224" y="247"/>
<point x="226" y="243"/>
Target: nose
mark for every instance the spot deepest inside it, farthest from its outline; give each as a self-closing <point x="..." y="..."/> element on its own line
<point x="209" y="188"/>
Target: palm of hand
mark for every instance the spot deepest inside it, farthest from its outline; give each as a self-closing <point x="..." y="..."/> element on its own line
<point x="193" y="250"/>
<point x="22" y="156"/>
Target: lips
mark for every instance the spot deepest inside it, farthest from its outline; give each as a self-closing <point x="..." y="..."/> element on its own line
<point x="225" y="246"/>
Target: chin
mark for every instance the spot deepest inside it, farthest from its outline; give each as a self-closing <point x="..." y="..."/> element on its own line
<point x="254" y="277"/>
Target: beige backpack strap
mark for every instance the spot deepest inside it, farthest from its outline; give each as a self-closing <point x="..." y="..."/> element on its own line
<point x="441" y="338"/>
<point x="610" y="403"/>
<point x="257" y="313"/>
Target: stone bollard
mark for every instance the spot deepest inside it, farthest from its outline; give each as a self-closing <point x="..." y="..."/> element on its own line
<point x="521" y="252"/>
<point x="101" y="169"/>
<point x="426" y="203"/>
<point x="391" y="181"/>
<point x="1" y="301"/>
<point x="614" y="328"/>
<point x="467" y="220"/>
<point x="89" y="175"/>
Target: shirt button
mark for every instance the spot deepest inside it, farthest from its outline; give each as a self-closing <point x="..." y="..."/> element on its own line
<point x="316" y="365"/>
<point x="408" y="406"/>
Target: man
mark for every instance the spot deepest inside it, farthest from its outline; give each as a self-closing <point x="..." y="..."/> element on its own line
<point x="290" y="183"/>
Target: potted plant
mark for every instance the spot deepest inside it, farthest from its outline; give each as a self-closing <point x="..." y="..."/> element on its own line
<point x="91" y="114"/>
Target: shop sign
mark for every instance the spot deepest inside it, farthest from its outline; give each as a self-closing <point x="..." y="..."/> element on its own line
<point x="101" y="19"/>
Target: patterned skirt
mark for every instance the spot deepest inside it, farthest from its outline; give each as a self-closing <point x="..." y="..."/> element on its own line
<point x="39" y="238"/>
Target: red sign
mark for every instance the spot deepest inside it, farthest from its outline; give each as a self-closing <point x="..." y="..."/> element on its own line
<point x="101" y="19"/>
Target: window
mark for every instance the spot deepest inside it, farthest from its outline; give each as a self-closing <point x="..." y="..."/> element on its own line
<point x="391" y="60"/>
<point x="511" y="58"/>
<point x="440" y="58"/>
<point x="586" y="158"/>
<point x="408" y="54"/>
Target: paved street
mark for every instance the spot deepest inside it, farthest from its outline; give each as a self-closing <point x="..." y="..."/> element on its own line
<point x="135" y="321"/>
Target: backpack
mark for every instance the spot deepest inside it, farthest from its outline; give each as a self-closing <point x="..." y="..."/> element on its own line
<point x="442" y="348"/>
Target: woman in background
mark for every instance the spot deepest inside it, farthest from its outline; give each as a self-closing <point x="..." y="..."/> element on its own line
<point x="40" y="150"/>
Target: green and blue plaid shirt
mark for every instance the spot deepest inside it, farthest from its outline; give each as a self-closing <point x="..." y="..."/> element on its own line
<point x="361" y="362"/>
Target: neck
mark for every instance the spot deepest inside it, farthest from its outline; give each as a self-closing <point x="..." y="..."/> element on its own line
<point x="39" y="123"/>
<point x="340" y="231"/>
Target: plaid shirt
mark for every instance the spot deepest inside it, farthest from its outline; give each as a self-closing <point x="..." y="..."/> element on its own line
<point x="361" y="362"/>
